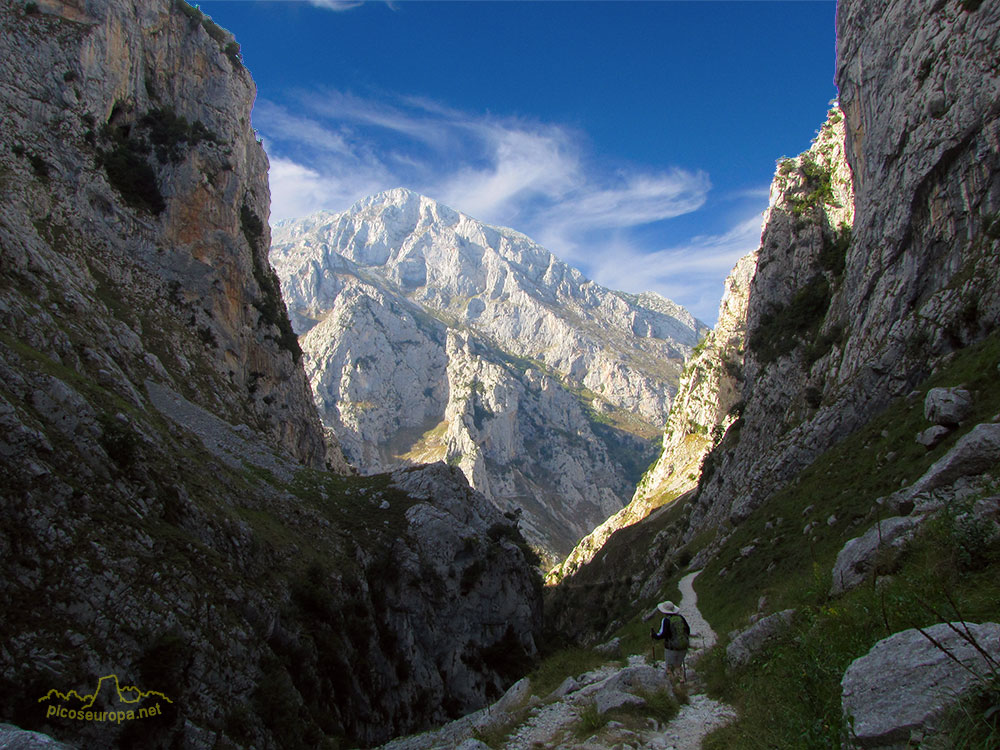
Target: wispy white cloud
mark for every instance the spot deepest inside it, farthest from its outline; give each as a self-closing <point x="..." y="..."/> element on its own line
<point x="692" y="273"/>
<point x="336" y="5"/>
<point x="495" y="168"/>
<point x="329" y="149"/>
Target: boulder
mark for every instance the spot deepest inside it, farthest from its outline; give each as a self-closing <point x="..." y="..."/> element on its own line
<point x="515" y="695"/>
<point x="905" y="683"/>
<point x="611" y="648"/>
<point x="932" y="436"/>
<point x="858" y="555"/>
<point x="749" y="642"/>
<point x="567" y="686"/>
<point x="15" y="738"/>
<point x="975" y="453"/>
<point x="947" y="406"/>
<point x="621" y="688"/>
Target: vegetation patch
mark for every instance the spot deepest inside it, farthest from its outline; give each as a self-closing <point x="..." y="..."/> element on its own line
<point x="557" y="666"/>
<point x="782" y="328"/>
<point x="126" y="150"/>
<point x="833" y="256"/>
<point x="816" y="190"/>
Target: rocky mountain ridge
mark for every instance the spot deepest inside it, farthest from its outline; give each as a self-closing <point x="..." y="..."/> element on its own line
<point x="169" y="515"/>
<point x="500" y="284"/>
<point x="431" y="336"/>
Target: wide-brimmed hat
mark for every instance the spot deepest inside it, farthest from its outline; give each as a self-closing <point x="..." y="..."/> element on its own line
<point x="667" y="607"/>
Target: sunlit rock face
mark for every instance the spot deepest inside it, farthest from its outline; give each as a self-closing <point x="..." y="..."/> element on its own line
<point x="915" y="279"/>
<point x="429" y="335"/>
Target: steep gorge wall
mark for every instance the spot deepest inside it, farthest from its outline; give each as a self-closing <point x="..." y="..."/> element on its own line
<point x="167" y="515"/>
<point x="920" y="91"/>
<point x="429" y="336"/>
<point x="879" y="258"/>
<point x="178" y="241"/>
<point x="707" y="403"/>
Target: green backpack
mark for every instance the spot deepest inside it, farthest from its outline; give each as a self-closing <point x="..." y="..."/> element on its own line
<point x="678" y="633"/>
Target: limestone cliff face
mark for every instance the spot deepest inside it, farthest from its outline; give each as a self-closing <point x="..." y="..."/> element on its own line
<point x="139" y="114"/>
<point x="878" y="260"/>
<point x="706" y="405"/>
<point x="167" y="514"/>
<point x="526" y="443"/>
<point x="787" y="282"/>
<point x="920" y="93"/>
<point x="431" y="336"/>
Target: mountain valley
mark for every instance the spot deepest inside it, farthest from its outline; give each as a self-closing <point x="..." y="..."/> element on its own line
<point x="302" y="482"/>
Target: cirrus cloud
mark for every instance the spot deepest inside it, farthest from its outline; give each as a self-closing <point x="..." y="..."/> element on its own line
<point x="331" y="148"/>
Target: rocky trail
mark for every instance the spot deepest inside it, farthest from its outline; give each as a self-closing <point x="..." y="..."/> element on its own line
<point x="523" y="721"/>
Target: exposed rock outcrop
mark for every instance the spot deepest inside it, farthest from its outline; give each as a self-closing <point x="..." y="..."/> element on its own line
<point x="947" y="406"/>
<point x="842" y="323"/>
<point x="748" y="643"/>
<point x="165" y="227"/>
<point x="706" y="405"/>
<point x="858" y="557"/>
<point x="12" y="738"/>
<point x="878" y="261"/>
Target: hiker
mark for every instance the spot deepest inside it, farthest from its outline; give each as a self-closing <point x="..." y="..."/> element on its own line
<point x="675" y="633"/>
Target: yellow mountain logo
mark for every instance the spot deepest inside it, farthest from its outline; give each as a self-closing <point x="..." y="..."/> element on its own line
<point x="122" y="702"/>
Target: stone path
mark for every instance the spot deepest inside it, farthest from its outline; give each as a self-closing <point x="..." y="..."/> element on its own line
<point x="537" y="725"/>
<point x="703" y="637"/>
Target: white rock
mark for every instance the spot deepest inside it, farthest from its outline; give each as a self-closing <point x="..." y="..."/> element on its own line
<point x="905" y="682"/>
<point x="947" y="406"/>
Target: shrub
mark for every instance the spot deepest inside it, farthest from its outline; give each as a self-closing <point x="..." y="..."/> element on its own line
<point x="833" y="256"/>
<point x="194" y="14"/>
<point x="168" y="131"/>
<point x="233" y="52"/>
<point x="214" y="30"/>
<point x="507" y="657"/>
<point x="131" y="175"/>
<point x="38" y="166"/>
<point x="117" y="440"/>
<point x="817" y="188"/>
<point x="591" y="720"/>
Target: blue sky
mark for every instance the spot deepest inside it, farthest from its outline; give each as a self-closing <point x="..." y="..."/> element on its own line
<point x="635" y="140"/>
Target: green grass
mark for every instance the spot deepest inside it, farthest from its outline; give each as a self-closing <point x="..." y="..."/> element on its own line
<point x="950" y="570"/>
<point x="974" y="724"/>
<point x="590" y="720"/>
<point x="802" y="672"/>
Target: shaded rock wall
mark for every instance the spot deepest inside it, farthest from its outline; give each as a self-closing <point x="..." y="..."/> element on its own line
<point x="167" y="515"/>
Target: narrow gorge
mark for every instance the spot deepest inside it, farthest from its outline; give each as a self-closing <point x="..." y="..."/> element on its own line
<point x="394" y="476"/>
